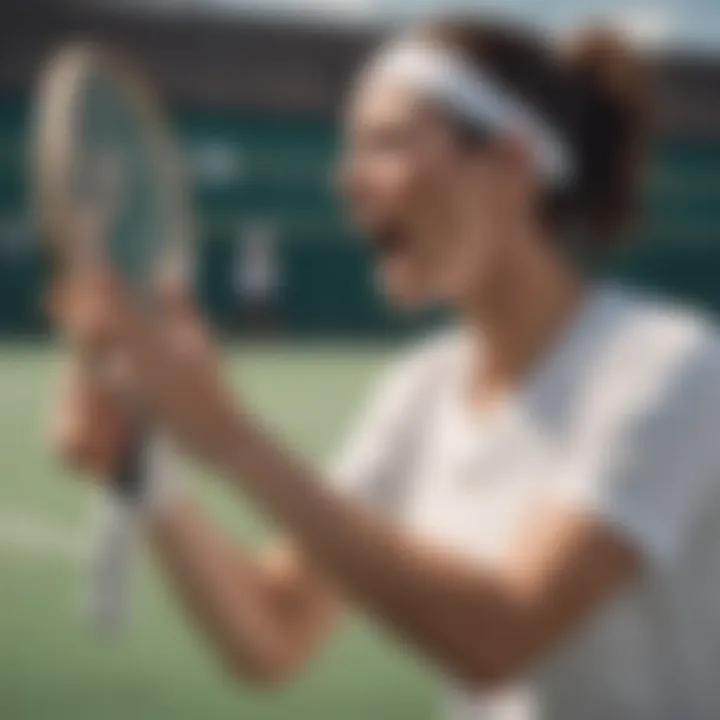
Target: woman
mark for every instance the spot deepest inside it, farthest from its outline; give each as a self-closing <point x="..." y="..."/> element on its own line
<point x="529" y="498"/>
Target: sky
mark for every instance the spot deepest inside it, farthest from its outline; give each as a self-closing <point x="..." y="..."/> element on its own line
<point x="675" y="22"/>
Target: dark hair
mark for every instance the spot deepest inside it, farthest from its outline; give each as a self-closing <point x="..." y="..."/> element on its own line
<point x="594" y="90"/>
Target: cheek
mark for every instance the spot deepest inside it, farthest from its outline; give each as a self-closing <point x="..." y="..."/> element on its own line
<point x="415" y="277"/>
<point x="427" y="185"/>
<point x="376" y="189"/>
<point x="399" y="188"/>
<point x="460" y="245"/>
<point x="432" y="200"/>
<point x="410" y="189"/>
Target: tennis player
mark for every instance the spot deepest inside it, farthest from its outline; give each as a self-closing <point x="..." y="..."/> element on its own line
<point x="532" y="497"/>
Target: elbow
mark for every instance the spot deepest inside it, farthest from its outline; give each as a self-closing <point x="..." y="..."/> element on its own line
<point x="496" y="653"/>
<point x="493" y="667"/>
<point x="265" y="674"/>
<point x="487" y="677"/>
<point x="265" y="679"/>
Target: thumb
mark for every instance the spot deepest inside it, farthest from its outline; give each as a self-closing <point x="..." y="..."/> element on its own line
<point x="181" y="316"/>
<point x="175" y="300"/>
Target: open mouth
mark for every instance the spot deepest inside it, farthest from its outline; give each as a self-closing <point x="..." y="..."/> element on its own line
<point x="389" y="241"/>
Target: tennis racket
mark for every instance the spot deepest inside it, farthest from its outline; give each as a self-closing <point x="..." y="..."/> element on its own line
<point x="104" y="158"/>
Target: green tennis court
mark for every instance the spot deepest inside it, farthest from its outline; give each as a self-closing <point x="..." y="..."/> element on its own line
<point x="53" y="667"/>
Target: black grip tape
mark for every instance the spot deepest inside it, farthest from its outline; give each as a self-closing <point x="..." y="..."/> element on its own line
<point x="128" y="482"/>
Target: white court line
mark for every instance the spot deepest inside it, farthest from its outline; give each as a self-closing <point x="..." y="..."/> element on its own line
<point x="27" y="534"/>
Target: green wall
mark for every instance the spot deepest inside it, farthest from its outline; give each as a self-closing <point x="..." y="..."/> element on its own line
<point x="276" y="169"/>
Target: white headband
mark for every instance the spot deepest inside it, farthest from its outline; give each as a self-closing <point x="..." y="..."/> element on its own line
<point x="449" y="79"/>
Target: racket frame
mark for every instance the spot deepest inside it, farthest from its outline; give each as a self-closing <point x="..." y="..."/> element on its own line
<point x="63" y="81"/>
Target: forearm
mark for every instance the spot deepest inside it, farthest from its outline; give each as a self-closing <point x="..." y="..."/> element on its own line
<point x="483" y="623"/>
<point x="229" y="595"/>
<point x="454" y="610"/>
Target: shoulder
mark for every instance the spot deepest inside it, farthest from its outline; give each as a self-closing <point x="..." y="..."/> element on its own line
<point x="658" y="356"/>
<point x="383" y="436"/>
<point x="409" y="381"/>
<point x="660" y="335"/>
<point x="426" y="362"/>
<point x="645" y="459"/>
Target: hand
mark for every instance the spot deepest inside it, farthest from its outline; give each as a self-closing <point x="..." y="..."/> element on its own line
<point x="170" y="365"/>
<point x="90" y="427"/>
<point x="90" y="424"/>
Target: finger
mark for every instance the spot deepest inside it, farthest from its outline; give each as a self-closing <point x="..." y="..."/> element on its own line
<point x="101" y="316"/>
<point x="174" y="297"/>
<point x="141" y="336"/>
<point x="88" y="427"/>
<point x="183" y="323"/>
<point x="88" y="318"/>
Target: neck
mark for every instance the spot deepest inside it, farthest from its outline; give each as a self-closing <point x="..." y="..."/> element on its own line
<point x="529" y="309"/>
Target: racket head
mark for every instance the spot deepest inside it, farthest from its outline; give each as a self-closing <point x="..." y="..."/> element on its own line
<point x="108" y="179"/>
<point x="108" y="176"/>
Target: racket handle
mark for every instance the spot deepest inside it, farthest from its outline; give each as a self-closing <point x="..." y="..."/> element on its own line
<point x="114" y="547"/>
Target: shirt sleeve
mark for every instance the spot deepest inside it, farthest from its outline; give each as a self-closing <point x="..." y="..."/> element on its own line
<point x="652" y="473"/>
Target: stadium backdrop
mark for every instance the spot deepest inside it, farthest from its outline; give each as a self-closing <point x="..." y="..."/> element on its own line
<point x="277" y="168"/>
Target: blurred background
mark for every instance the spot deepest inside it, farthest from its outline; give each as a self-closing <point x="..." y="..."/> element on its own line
<point x="254" y="90"/>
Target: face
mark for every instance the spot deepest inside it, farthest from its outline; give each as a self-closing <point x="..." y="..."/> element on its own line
<point x="439" y="212"/>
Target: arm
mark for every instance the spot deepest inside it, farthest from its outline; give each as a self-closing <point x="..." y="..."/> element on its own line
<point x="482" y="623"/>
<point x="266" y="616"/>
<point x="629" y="499"/>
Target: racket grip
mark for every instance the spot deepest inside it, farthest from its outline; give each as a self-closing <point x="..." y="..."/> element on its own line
<point x="114" y="546"/>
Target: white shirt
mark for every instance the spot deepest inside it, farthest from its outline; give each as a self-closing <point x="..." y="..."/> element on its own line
<point x="621" y="421"/>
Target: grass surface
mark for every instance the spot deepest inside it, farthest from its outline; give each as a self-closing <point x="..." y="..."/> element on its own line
<point x="53" y="667"/>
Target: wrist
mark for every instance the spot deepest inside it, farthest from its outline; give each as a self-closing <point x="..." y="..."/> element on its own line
<point x="230" y="451"/>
